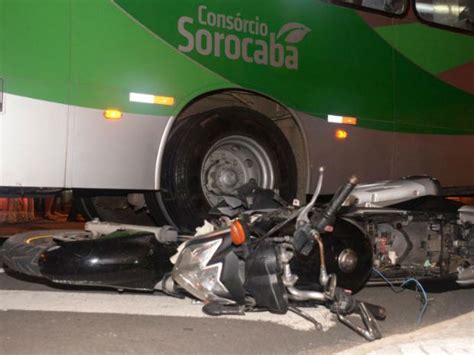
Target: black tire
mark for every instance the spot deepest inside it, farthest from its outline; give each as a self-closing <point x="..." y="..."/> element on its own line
<point x="181" y="199"/>
<point x="21" y="252"/>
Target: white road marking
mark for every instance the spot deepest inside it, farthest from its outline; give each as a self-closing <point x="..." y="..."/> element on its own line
<point x="454" y="346"/>
<point x="151" y="305"/>
<point x="449" y="346"/>
<point x="450" y="337"/>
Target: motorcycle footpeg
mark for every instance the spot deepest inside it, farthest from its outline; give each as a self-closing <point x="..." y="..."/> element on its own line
<point x="371" y="331"/>
<point x="219" y="309"/>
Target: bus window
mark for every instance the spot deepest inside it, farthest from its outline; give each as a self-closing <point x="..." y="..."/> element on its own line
<point x="457" y="14"/>
<point x="388" y="7"/>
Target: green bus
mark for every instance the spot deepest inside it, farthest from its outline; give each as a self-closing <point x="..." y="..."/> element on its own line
<point x="162" y="108"/>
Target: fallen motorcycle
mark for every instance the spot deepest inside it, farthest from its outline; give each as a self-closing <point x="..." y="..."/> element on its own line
<point x="262" y="254"/>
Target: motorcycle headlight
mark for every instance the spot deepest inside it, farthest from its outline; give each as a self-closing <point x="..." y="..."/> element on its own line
<point x="193" y="273"/>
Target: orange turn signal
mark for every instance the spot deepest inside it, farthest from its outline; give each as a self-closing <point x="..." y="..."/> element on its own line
<point x="113" y="114"/>
<point x="237" y="233"/>
<point x="341" y="134"/>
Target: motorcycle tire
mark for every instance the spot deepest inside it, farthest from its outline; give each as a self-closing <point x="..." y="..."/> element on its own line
<point x="21" y="252"/>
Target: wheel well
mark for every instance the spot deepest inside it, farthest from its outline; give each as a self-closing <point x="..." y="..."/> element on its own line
<point x="283" y="117"/>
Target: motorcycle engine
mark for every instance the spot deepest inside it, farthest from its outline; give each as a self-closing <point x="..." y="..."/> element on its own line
<point x="422" y="245"/>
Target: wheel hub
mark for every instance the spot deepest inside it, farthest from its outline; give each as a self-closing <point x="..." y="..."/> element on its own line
<point x="232" y="162"/>
<point x="347" y="260"/>
<point x="228" y="178"/>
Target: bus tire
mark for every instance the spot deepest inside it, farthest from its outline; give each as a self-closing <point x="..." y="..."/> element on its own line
<point x="110" y="208"/>
<point x="187" y="187"/>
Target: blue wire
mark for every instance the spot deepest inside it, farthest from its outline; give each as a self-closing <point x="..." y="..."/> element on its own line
<point x="425" y="297"/>
<point x="419" y="289"/>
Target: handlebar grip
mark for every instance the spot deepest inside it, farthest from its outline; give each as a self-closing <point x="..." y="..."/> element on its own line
<point x="340" y="197"/>
<point x="329" y="213"/>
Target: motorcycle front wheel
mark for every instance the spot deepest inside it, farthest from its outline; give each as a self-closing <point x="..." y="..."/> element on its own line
<point x="21" y="252"/>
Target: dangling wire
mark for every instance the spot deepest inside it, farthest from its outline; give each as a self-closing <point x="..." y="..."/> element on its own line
<point x="419" y="290"/>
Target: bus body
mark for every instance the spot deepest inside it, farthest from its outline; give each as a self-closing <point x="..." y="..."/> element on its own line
<point x="400" y="91"/>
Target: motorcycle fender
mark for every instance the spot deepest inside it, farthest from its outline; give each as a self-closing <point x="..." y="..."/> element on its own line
<point x="121" y="260"/>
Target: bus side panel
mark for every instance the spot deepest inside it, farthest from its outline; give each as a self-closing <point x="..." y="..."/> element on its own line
<point x="365" y="152"/>
<point x="31" y="152"/>
<point x="113" y="56"/>
<point x="425" y="103"/>
<point x="33" y="133"/>
<point x="450" y="159"/>
<point x="114" y="154"/>
<point x="378" y="155"/>
<point x="77" y="59"/>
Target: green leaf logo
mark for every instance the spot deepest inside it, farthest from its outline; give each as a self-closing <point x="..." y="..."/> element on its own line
<point x="294" y="32"/>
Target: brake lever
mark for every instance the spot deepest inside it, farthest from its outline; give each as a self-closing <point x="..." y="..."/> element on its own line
<point x="371" y="331"/>
<point x="303" y="218"/>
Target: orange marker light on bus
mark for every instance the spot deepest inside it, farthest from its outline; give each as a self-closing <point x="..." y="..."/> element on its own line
<point x="349" y="120"/>
<point x="112" y="114"/>
<point x="237" y="233"/>
<point x="152" y="99"/>
<point x="341" y="134"/>
<point x="164" y="100"/>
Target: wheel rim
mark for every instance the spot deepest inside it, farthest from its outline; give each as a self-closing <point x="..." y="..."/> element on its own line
<point x="232" y="162"/>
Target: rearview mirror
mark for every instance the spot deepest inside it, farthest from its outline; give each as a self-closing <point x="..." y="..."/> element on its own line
<point x="458" y="14"/>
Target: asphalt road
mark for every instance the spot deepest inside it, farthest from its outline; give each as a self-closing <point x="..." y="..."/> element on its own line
<point x="39" y="318"/>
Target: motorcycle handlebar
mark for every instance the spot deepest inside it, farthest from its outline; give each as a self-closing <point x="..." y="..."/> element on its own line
<point x="334" y="205"/>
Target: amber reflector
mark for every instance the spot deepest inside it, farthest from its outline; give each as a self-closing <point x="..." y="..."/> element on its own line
<point x="112" y="114"/>
<point x="349" y="120"/>
<point x="341" y="134"/>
